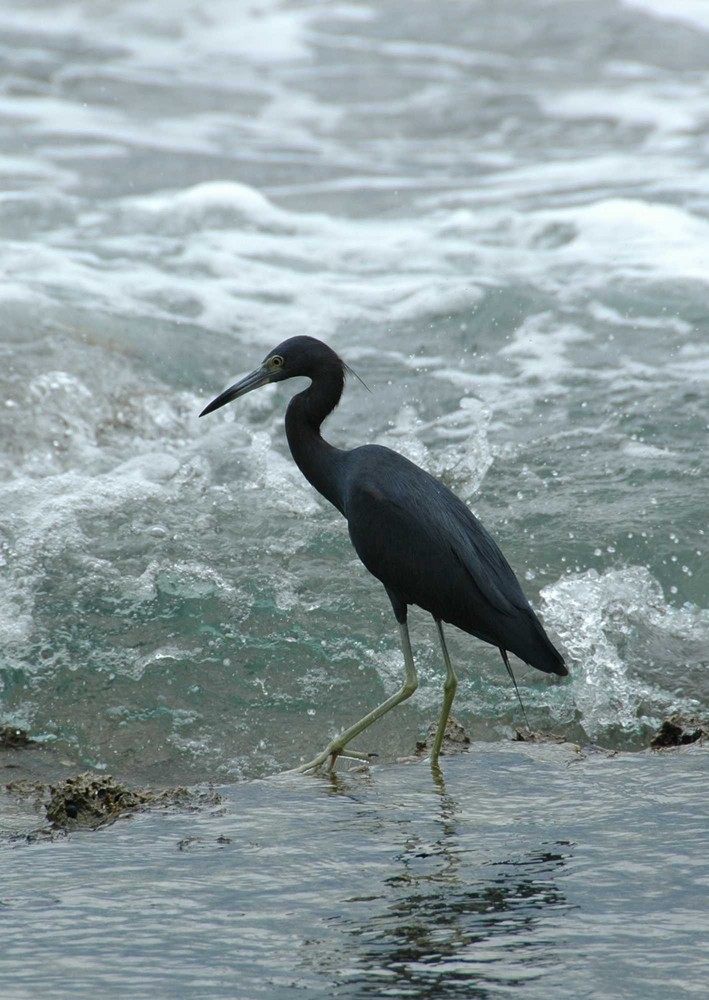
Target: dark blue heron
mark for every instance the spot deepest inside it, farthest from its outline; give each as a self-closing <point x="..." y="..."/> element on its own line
<point x="409" y="530"/>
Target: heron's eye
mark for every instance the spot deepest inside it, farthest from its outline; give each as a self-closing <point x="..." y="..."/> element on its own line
<point x="276" y="361"/>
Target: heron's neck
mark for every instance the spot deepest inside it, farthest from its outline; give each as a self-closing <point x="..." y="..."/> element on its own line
<point x="317" y="460"/>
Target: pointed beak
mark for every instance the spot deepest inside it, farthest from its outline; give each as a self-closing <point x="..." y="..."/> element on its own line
<point x="257" y="378"/>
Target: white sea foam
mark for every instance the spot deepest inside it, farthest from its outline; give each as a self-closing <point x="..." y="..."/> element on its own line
<point x="271" y="271"/>
<point x="278" y="480"/>
<point x="463" y="463"/>
<point x="74" y="472"/>
<point x="623" y="235"/>
<point x="604" y="621"/>
<point x="45" y="524"/>
<point x="611" y="239"/>
<point x="539" y="347"/>
<point x="260" y="31"/>
<point x="693" y="13"/>
<point x="228" y="256"/>
<point x="242" y="260"/>
<point x="649" y="103"/>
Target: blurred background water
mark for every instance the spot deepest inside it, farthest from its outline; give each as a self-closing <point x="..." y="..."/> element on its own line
<point x="497" y="212"/>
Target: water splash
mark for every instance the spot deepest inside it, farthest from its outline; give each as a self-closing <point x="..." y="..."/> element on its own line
<point x="607" y="622"/>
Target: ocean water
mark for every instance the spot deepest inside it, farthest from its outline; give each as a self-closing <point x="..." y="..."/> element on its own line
<point x="531" y="873"/>
<point x="498" y="213"/>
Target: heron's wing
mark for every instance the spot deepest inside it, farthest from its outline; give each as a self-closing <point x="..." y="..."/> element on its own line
<point x="414" y="534"/>
<point x="484" y="562"/>
<point x="429" y="549"/>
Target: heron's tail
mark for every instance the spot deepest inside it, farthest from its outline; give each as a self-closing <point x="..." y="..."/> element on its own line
<point x="538" y="650"/>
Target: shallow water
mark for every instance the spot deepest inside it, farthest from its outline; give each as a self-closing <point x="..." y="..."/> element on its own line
<point x="499" y="214"/>
<point x="531" y="870"/>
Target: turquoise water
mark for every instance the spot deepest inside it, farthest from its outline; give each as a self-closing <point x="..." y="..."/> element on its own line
<point x="498" y="214"/>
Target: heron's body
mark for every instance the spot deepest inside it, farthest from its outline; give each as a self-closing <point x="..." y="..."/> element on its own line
<point x="408" y="528"/>
<point x="429" y="549"/>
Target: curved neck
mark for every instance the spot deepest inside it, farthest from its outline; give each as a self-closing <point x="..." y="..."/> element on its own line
<point x="317" y="460"/>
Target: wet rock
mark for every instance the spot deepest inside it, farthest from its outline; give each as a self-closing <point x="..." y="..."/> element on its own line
<point x="90" y="800"/>
<point x="455" y="739"/>
<point x="679" y="732"/>
<point x="531" y="736"/>
<point x="14" y="739"/>
<point x="187" y="843"/>
<point x="25" y="788"/>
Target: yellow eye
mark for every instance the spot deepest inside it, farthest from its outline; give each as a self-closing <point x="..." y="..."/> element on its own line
<point x="276" y="361"/>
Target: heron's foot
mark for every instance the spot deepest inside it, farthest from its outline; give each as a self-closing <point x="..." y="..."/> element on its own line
<point x="331" y="753"/>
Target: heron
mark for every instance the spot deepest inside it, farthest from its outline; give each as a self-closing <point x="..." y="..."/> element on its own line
<point x="409" y="529"/>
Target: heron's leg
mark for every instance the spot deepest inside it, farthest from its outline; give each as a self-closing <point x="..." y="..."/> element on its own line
<point x="449" y="688"/>
<point x="335" y="748"/>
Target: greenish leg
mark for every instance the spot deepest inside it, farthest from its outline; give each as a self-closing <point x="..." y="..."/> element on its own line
<point x="336" y="747"/>
<point x="449" y="688"/>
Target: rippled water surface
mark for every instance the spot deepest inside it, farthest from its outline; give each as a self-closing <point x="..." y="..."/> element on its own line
<point x="498" y="213"/>
<point x="530" y="871"/>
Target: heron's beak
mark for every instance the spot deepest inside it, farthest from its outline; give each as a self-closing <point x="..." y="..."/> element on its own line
<point x="257" y="378"/>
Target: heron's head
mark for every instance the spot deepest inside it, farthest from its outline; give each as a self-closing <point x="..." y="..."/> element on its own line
<point x="295" y="356"/>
